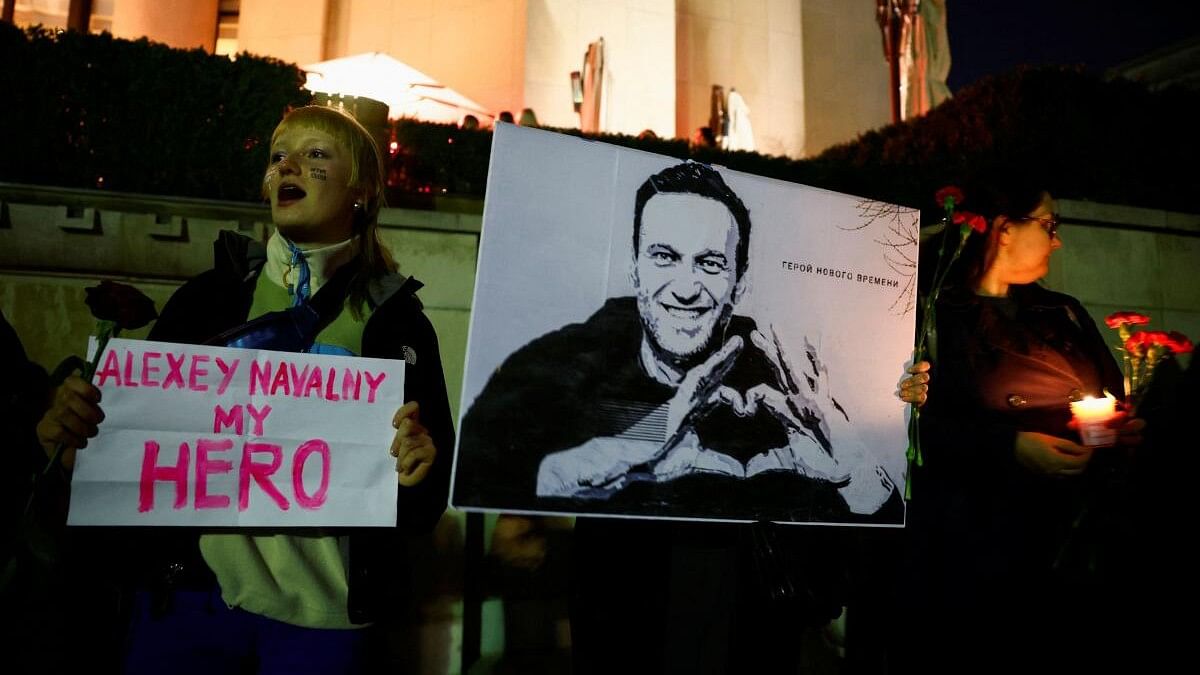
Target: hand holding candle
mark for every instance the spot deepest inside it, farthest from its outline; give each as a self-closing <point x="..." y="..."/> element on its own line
<point x="1092" y="416"/>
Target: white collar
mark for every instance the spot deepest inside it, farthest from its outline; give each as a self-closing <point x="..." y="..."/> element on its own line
<point x="323" y="261"/>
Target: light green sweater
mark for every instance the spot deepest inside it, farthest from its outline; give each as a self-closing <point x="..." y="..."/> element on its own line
<point x="299" y="576"/>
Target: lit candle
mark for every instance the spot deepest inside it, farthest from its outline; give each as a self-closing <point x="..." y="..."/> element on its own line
<point x="1092" y="414"/>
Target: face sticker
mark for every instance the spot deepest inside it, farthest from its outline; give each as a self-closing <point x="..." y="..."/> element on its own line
<point x="316" y="173"/>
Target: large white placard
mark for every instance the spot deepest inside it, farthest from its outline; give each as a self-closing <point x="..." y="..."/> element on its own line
<point x="663" y="339"/>
<point x="213" y="436"/>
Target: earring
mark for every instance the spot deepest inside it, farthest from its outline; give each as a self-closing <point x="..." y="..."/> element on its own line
<point x="359" y="206"/>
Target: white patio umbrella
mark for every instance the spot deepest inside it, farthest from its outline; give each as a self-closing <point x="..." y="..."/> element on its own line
<point x="407" y="91"/>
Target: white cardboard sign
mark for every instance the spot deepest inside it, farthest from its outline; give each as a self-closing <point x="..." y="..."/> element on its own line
<point x="654" y="338"/>
<point x="220" y="437"/>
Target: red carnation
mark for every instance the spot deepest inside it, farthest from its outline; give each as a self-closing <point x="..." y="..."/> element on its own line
<point x="1118" y="319"/>
<point x="974" y="220"/>
<point x="1178" y="342"/>
<point x="122" y="304"/>
<point x="1140" y="341"/>
<point x="950" y="192"/>
<point x="1158" y="338"/>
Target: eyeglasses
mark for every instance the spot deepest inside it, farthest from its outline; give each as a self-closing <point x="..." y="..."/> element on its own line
<point x="1049" y="223"/>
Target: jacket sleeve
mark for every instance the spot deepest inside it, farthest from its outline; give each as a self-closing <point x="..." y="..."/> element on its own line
<point x="957" y="433"/>
<point x="420" y="506"/>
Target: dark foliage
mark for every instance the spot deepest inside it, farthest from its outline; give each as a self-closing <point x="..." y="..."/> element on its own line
<point x="1085" y="137"/>
<point x="135" y="116"/>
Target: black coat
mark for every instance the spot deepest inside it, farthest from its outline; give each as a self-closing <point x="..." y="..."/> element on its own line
<point x="986" y="536"/>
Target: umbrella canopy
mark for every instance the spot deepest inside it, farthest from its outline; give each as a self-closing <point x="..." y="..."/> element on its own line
<point x="407" y="91"/>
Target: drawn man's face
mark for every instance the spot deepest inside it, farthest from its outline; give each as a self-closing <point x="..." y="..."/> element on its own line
<point x="685" y="272"/>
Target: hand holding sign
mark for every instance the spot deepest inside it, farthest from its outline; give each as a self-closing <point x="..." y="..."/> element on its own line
<point x="412" y="447"/>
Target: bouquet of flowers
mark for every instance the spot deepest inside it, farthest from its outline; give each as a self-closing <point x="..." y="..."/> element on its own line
<point x="1142" y="350"/>
<point x="948" y="198"/>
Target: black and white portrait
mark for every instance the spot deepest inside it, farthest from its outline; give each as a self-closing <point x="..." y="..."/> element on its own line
<point x="658" y="338"/>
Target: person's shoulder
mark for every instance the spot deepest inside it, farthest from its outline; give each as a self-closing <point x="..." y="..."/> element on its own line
<point x="398" y="324"/>
<point x="236" y="256"/>
<point x="394" y="299"/>
<point x="610" y="335"/>
<point x="615" y="320"/>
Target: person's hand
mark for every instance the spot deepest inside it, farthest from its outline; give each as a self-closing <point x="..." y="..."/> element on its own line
<point x="690" y="457"/>
<point x="915" y="388"/>
<point x="801" y="399"/>
<point x="412" y="446"/>
<point x="700" y="390"/>
<point x="809" y="457"/>
<point x="601" y="462"/>
<point x="519" y="542"/>
<point x="1129" y="428"/>
<point x="1050" y="455"/>
<point x="74" y="417"/>
<point x="822" y="442"/>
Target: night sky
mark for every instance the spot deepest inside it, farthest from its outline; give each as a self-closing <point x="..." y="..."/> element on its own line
<point x="993" y="36"/>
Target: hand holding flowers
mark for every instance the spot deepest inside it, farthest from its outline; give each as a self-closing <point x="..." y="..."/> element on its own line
<point x="75" y="413"/>
<point x="913" y="390"/>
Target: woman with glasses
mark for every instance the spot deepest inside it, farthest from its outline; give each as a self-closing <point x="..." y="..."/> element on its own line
<point x="1004" y="479"/>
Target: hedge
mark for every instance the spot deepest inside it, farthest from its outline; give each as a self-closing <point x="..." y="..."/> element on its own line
<point x="89" y="110"/>
<point x="1087" y="137"/>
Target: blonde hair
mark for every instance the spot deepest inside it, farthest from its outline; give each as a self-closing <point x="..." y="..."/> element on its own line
<point x="366" y="174"/>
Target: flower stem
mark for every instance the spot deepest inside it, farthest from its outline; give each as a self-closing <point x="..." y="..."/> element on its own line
<point x="913" y="454"/>
<point x="105" y="330"/>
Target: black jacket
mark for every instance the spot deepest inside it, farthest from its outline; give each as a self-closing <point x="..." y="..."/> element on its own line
<point x="980" y="523"/>
<point x="220" y="299"/>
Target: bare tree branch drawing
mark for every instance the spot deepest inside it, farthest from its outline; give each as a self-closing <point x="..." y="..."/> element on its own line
<point x="901" y="237"/>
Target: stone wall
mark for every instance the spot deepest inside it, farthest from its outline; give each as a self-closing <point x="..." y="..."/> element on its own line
<point x="1124" y="258"/>
<point x="55" y="242"/>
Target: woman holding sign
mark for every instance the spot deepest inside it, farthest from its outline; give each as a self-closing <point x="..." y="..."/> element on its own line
<point x="290" y="600"/>
<point x="997" y="502"/>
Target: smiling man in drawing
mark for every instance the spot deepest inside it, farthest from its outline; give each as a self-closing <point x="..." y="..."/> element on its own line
<point x="659" y="397"/>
